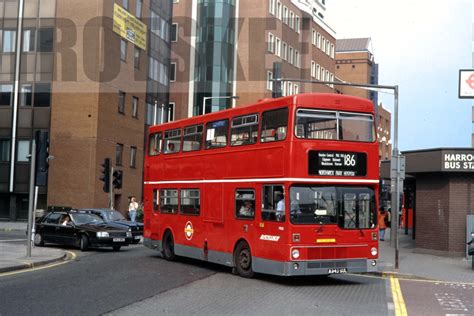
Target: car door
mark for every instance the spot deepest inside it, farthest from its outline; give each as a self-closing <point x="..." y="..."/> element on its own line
<point x="49" y="227"/>
<point x="66" y="234"/>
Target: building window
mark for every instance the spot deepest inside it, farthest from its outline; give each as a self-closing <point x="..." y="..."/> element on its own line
<point x="318" y="72"/>
<point x="297" y="58"/>
<point x="28" y="41"/>
<point x="277" y="47"/>
<point x="26" y="95"/>
<point x="285" y="15"/>
<point x="313" y="37"/>
<point x="296" y="89"/>
<point x="9" y="38"/>
<point x="4" y="150"/>
<point x="118" y="154"/>
<point x="313" y="69"/>
<point x="42" y="95"/>
<point x="291" y="57"/>
<point x="134" y="107"/>
<point x="133" y="156"/>
<point x="297" y="24"/>
<point x="319" y="41"/>
<point x="45" y="40"/>
<point x="174" y="32"/>
<point x="269" y="80"/>
<point x="171" y="111"/>
<point x="332" y="51"/>
<point x="23" y="150"/>
<point x="279" y="10"/>
<point x="136" y="58"/>
<point x="323" y="40"/>
<point x="121" y="102"/>
<point x="292" y="20"/>
<point x="125" y="4"/>
<point x="139" y="5"/>
<point x="173" y="72"/>
<point x="6" y="94"/>
<point x="271" y="7"/>
<point x="271" y="43"/>
<point x="123" y="50"/>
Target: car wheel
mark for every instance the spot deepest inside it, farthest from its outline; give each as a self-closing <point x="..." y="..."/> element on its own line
<point x="39" y="242"/>
<point x="116" y="248"/>
<point x="243" y="260"/>
<point x="84" y="243"/>
<point x="168" y="247"/>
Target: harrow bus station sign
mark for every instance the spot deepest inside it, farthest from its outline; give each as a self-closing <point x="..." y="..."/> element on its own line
<point x="442" y="181"/>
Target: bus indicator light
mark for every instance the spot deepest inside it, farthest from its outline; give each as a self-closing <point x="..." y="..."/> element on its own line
<point x="325" y="240"/>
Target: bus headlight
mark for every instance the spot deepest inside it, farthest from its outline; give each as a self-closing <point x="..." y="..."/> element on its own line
<point x="295" y="253"/>
<point x="373" y="251"/>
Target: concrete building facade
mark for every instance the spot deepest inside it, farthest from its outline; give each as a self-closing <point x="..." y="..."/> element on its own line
<point x="226" y="49"/>
<point x="90" y="88"/>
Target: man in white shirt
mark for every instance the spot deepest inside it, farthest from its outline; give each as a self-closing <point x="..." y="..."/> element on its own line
<point x="280" y="209"/>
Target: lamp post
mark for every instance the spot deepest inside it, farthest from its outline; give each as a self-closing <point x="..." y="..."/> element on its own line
<point x="155" y="113"/>
<point x="210" y="98"/>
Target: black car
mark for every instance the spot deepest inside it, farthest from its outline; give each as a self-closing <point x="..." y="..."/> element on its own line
<point x="113" y="216"/>
<point x="81" y="229"/>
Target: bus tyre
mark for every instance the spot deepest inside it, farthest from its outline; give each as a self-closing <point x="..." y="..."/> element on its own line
<point x="39" y="242"/>
<point x="243" y="260"/>
<point x="168" y="247"/>
<point x="84" y="243"/>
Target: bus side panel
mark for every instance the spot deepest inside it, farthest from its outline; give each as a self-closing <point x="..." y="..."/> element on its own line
<point x="270" y="163"/>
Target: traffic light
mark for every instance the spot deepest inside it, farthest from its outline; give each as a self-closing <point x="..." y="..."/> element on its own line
<point x="105" y="177"/>
<point x="42" y="158"/>
<point x="117" y="181"/>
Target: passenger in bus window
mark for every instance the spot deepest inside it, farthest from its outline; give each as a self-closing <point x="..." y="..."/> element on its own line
<point x="246" y="209"/>
<point x="170" y="147"/>
<point x="280" y="209"/>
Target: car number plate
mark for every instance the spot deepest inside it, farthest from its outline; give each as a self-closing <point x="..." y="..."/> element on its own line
<point x="119" y="239"/>
<point x="337" y="270"/>
<point x="138" y="237"/>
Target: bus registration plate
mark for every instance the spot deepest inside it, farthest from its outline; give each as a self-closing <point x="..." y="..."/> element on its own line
<point x="337" y="270"/>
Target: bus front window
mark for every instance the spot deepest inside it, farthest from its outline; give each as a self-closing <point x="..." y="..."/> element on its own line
<point x="348" y="207"/>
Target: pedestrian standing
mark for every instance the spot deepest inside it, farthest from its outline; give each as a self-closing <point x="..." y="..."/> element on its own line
<point x="132" y="209"/>
<point x="382" y="223"/>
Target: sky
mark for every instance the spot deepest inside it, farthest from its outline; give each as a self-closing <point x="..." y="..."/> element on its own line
<point x="419" y="46"/>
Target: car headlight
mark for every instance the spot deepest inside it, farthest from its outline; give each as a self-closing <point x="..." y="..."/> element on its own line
<point x="373" y="251"/>
<point x="129" y="234"/>
<point x="102" y="234"/>
<point x="295" y="253"/>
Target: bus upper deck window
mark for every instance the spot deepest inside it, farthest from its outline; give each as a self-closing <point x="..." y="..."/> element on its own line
<point x="216" y="134"/>
<point x="274" y="125"/>
<point x="244" y="130"/>
<point x="154" y="144"/>
<point x="192" y="139"/>
<point x="172" y="143"/>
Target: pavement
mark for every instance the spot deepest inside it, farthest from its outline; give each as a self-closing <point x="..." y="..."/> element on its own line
<point x="411" y="264"/>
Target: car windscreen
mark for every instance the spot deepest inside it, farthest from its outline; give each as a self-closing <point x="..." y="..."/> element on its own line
<point x="111" y="216"/>
<point x="348" y="207"/>
<point x="85" y="218"/>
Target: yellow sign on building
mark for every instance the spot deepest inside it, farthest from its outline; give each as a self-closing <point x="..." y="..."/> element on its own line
<point x="129" y="27"/>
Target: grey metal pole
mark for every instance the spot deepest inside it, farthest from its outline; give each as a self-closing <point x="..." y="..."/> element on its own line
<point x="16" y="88"/>
<point x="395" y="197"/>
<point x="31" y="201"/>
<point x="111" y="188"/>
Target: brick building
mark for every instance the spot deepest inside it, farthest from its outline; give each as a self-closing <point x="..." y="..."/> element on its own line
<point x="91" y="88"/>
<point x="226" y="49"/>
<point x="440" y="191"/>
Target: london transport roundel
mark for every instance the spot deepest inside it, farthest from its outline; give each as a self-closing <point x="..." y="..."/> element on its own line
<point x="188" y="230"/>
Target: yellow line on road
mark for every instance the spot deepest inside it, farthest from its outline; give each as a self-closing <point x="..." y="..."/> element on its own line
<point x="72" y="256"/>
<point x="400" y="308"/>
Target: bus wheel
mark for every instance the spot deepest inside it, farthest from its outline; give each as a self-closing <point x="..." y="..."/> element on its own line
<point x="168" y="247"/>
<point x="243" y="260"/>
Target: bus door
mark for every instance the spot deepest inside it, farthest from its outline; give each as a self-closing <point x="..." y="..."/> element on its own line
<point x="155" y="228"/>
<point x="272" y="227"/>
<point x="214" y="239"/>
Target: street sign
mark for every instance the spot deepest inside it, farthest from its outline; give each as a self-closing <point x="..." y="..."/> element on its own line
<point x="466" y="84"/>
<point x="393" y="168"/>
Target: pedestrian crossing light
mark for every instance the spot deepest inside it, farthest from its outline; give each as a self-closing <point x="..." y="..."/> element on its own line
<point x="105" y="175"/>
<point x="117" y="181"/>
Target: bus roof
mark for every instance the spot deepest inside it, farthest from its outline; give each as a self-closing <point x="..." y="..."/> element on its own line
<point x="320" y="100"/>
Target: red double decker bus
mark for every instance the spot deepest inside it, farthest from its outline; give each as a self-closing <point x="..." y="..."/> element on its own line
<point x="285" y="186"/>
